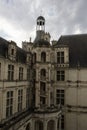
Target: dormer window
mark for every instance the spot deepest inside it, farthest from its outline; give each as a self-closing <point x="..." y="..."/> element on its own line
<point x="12" y="48"/>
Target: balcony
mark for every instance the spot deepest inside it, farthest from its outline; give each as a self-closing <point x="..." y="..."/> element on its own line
<point x="61" y="65"/>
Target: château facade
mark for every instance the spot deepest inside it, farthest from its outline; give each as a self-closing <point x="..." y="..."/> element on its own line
<point x="43" y="86"/>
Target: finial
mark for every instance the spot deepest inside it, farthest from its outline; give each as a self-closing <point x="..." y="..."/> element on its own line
<point x="41" y="12"/>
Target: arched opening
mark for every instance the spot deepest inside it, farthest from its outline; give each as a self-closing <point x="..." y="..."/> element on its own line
<point x="28" y="126"/>
<point x="50" y="125"/>
<point x="42" y="87"/>
<point x="38" y="125"/>
<point x="43" y="74"/>
<point x="43" y="57"/>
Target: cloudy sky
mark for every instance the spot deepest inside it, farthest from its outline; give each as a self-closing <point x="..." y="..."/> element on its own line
<point x="63" y="17"/>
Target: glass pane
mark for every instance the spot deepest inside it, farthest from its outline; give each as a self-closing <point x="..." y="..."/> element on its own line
<point x="62" y="54"/>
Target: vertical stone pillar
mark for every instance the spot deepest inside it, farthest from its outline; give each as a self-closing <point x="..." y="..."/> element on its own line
<point x="49" y="85"/>
<point x="56" y="121"/>
<point x="33" y="125"/>
<point x="54" y="91"/>
<point x="59" y="123"/>
<point x="45" y="125"/>
<point x="37" y="99"/>
<point x="37" y="71"/>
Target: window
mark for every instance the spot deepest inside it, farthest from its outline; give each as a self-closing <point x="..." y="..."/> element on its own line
<point x="43" y="74"/>
<point x="42" y="101"/>
<point x="60" y="75"/>
<point x="62" y="122"/>
<point x="9" y="103"/>
<point x="27" y="97"/>
<point x="51" y="98"/>
<point x="12" y="51"/>
<point x="10" y="72"/>
<point x="20" y="73"/>
<point x="42" y="88"/>
<point x="60" y="57"/>
<point x="43" y="57"/>
<point x="20" y="98"/>
<point x="28" y="74"/>
<point x="60" y="97"/>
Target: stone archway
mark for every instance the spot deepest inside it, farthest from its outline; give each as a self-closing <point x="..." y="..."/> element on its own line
<point x="38" y="125"/>
<point x="51" y="125"/>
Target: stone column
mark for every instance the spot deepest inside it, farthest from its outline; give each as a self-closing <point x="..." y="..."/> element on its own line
<point x="59" y="123"/>
<point x="37" y="97"/>
<point x="45" y="125"/>
<point x="33" y="125"/>
<point x="49" y="85"/>
<point x="56" y="121"/>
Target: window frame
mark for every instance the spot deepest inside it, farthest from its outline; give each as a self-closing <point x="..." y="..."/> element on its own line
<point x="60" y="76"/>
<point x="21" y="69"/>
<point x="20" y="99"/>
<point x="10" y="72"/>
<point x="62" y="122"/>
<point x="9" y="103"/>
<point x="60" y="96"/>
<point x="42" y="88"/>
<point x="60" y="57"/>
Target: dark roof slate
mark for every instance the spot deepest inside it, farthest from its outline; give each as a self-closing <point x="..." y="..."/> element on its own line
<point x="20" y="54"/>
<point x="77" y="48"/>
<point x="41" y="17"/>
<point x="3" y="47"/>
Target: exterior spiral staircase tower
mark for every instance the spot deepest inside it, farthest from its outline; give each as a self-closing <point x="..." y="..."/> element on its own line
<point x="46" y="114"/>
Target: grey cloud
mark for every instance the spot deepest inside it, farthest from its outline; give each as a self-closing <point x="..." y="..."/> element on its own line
<point x="62" y="17"/>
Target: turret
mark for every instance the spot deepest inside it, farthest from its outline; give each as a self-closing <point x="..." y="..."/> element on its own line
<point x="40" y="24"/>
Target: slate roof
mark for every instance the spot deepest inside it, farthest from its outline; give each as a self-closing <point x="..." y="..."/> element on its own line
<point x="77" y="49"/>
<point x="20" y="54"/>
<point x="41" y="17"/>
<point x="3" y="47"/>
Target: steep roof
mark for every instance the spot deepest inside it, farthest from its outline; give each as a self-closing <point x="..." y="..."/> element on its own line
<point x="20" y="53"/>
<point x="77" y="48"/>
<point x="3" y="47"/>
